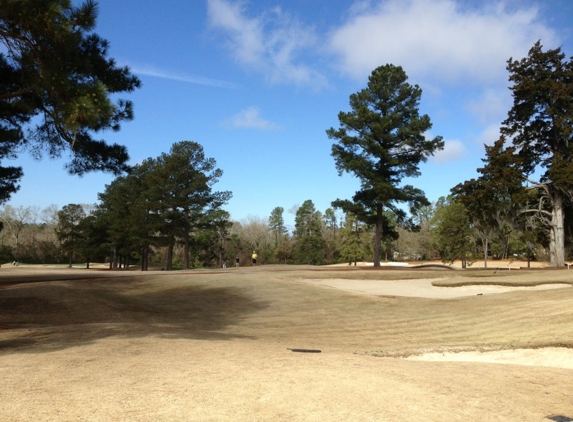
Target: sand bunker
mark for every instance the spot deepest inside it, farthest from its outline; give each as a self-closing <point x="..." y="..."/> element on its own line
<point x="421" y="288"/>
<point x="549" y="357"/>
<point x="555" y="357"/>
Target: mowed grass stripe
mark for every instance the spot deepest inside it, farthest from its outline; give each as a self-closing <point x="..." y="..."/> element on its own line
<point x="342" y="319"/>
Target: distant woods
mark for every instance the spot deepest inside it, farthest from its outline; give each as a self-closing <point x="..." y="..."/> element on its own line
<point x="118" y="236"/>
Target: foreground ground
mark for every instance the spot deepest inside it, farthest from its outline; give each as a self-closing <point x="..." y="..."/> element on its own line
<point x="213" y="345"/>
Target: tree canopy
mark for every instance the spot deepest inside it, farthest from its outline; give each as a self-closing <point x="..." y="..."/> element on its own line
<point x="56" y="88"/>
<point x="308" y="230"/>
<point x="495" y="199"/>
<point x="68" y="229"/>
<point x="165" y="200"/>
<point x="277" y="224"/>
<point x="382" y="141"/>
<point x="452" y="233"/>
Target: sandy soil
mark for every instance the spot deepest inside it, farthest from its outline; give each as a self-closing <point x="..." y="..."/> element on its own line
<point x="78" y="345"/>
<point x="423" y="288"/>
<point x="555" y="357"/>
<point x="505" y="264"/>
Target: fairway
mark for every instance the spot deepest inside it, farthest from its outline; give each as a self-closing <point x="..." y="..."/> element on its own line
<point x="212" y="345"/>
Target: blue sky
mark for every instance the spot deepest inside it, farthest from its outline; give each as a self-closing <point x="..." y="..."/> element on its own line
<point x="258" y="82"/>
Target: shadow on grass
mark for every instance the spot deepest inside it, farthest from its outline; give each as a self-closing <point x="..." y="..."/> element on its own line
<point x="51" y="316"/>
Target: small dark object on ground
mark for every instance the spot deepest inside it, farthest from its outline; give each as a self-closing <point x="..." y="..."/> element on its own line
<point x="305" y="350"/>
<point x="560" y="418"/>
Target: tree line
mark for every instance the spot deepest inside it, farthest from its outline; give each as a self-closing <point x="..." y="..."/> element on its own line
<point x="81" y="234"/>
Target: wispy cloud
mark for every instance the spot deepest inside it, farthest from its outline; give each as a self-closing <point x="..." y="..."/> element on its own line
<point x="164" y="74"/>
<point x="273" y="44"/>
<point x="490" y="104"/>
<point x="250" y="118"/>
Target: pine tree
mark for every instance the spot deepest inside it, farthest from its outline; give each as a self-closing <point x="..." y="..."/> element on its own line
<point x="277" y="224"/>
<point x="68" y="230"/>
<point x="354" y="239"/>
<point x="184" y="181"/>
<point x="55" y="70"/>
<point x="381" y="141"/>
<point x="308" y="231"/>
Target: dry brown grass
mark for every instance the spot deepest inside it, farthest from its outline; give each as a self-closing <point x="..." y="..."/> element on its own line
<point x="212" y="345"/>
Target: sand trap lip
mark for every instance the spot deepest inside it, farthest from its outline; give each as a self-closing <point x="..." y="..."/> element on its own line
<point x="422" y="288"/>
<point x="554" y="357"/>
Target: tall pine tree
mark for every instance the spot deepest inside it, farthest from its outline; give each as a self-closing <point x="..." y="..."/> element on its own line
<point x="381" y="141"/>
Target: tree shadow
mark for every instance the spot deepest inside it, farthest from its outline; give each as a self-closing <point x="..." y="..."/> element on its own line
<point x="42" y="317"/>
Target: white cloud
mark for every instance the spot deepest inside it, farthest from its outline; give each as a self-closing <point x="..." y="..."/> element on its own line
<point x="437" y="39"/>
<point x="453" y="151"/>
<point x="251" y="118"/>
<point x="273" y="44"/>
<point x="489" y="135"/>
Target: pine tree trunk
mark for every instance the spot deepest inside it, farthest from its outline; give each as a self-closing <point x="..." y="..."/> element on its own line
<point x="378" y="235"/>
<point x="113" y="263"/>
<point x="557" y="232"/>
<point x="169" y="263"/>
<point x="144" y="254"/>
<point x="485" y="247"/>
<point x="186" y="240"/>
